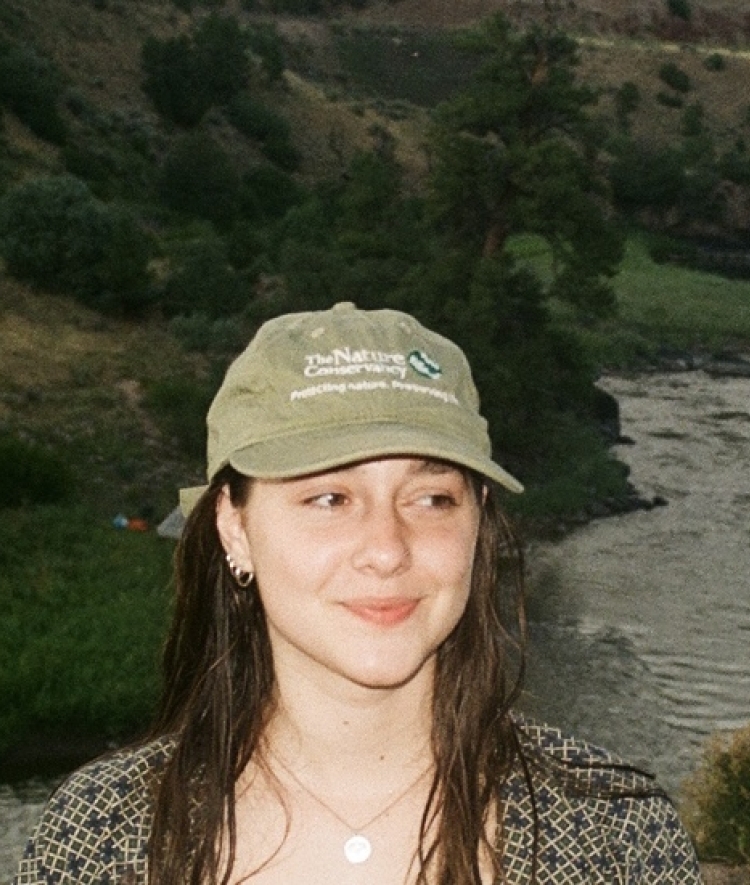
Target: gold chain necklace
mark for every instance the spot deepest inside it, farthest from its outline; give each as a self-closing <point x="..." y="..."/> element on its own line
<point x="357" y="848"/>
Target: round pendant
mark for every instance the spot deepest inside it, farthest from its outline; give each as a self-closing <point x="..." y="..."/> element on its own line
<point x="357" y="849"/>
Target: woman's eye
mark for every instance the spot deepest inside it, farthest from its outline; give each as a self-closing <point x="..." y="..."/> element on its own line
<point x="438" y="500"/>
<point x="328" y="500"/>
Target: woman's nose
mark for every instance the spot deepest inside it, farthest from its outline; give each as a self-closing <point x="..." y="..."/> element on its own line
<point x="383" y="546"/>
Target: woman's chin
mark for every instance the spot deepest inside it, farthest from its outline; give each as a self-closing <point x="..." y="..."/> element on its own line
<point x="390" y="674"/>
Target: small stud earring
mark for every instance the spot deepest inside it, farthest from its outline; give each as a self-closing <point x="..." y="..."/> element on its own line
<point x="242" y="577"/>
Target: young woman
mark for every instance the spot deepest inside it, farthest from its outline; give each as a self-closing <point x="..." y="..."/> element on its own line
<point x="346" y="649"/>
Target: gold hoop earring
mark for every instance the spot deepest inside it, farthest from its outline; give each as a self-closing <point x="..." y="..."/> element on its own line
<point x="242" y="577"/>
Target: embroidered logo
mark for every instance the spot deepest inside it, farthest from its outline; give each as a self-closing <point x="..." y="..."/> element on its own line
<point x="421" y="363"/>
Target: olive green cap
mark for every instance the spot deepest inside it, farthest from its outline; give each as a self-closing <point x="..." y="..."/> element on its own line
<point x="322" y="389"/>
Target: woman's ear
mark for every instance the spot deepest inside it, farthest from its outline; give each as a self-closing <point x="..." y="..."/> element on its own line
<point x="232" y="533"/>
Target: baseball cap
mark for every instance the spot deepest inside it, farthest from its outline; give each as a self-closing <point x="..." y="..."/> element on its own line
<point x="322" y="389"/>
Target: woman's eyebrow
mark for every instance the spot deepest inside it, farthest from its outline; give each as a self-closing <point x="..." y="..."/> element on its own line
<point x="432" y="465"/>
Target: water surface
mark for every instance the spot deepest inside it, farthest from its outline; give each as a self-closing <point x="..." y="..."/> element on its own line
<point x="642" y="622"/>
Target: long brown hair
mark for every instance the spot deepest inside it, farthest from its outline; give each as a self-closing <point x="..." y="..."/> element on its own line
<point x="218" y="697"/>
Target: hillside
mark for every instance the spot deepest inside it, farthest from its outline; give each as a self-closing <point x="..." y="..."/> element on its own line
<point x="77" y="383"/>
<point x="331" y="100"/>
<point x="89" y="386"/>
<point x="718" y="22"/>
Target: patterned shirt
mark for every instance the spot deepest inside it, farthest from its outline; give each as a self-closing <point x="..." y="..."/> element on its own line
<point x="597" y="821"/>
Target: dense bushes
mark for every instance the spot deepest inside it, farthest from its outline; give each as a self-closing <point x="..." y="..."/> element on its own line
<point x="30" y="474"/>
<point x="203" y="281"/>
<point x="259" y="122"/>
<point x="56" y="235"/>
<point x="31" y="86"/>
<point x="675" y="77"/>
<point x="627" y="99"/>
<point x="716" y="61"/>
<point x="186" y="75"/>
<point x="680" y="9"/>
<point x="198" y="178"/>
<point x="643" y="178"/>
<point x="180" y="406"/>
<point x="717" y="800"/>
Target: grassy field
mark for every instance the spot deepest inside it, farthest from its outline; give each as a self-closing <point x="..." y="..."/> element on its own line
<point x="662" y="309"/>
<point x="83" y="610"/>
<point x="678" y="307"/>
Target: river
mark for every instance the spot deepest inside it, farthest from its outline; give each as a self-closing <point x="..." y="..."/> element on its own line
<point x="641" y="622"/>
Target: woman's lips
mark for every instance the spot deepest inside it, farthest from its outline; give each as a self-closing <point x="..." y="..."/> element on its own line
<point x="382" y="612"/>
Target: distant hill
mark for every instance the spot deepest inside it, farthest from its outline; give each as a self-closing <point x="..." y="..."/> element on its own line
<point x="720" y="22"/>
<point x="97" y="46"/>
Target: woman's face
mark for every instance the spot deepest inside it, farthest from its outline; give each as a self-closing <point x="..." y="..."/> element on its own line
<point x="364" y="570"/>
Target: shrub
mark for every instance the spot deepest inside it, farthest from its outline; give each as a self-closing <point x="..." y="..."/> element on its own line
<point x="256" y="120"/>
<point x="31" y="475"/>
<point x="735" y="165"/>
<point x="715" y="62"/>
<point x="115" y="168"/>
<point x="680" y="9"/>
<point x="627" y="99"/>
<point x="717" y="799"/>
<point x="282" y="152"/>
<point x="31" y="86"/>
<point x="670" y="100"/>
<point x="180" y="406"/>
<point x="297" y="7"/>
<point x="186" y="75"/>
<point x="269" y="193"/>
<point x="248" y="248"/>
<point x="198" y="178"/>
<point x="694" y="121"/>
<point x="203" y="281"/>
<point x="642" y="178"/>
<point x="220" y="48"/>
<point x="265" y="42"/>
<point x="173" y="80"/>
<point x="56" y="235"/>
<point x="675" y="77"/>
<point x="198" y="332"/>
<point x="121" y="281"/>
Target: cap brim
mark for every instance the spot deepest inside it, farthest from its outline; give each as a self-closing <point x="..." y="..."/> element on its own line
<point x="313" y="451"/>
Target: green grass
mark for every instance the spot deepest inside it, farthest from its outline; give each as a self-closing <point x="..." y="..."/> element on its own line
<point x="680" y="307"/>
<point x="83" y="608"/>
<point x="661" y="308"/>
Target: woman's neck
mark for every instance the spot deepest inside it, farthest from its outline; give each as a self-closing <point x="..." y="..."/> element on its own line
<point x="336" y="729"/>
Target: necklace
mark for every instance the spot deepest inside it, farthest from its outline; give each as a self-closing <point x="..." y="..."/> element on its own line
<point x="357" y="848"/>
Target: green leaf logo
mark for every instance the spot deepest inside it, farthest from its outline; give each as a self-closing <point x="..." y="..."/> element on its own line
<point x="420" y="362"/>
